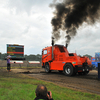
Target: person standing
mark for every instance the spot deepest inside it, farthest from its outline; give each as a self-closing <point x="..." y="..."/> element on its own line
<point x="8" y="63"/>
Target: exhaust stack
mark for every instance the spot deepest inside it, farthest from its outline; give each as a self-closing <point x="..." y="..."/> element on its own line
<point x="52" y="41"/>
<point x="52" y="47"/>
<point x="66" y="45"/>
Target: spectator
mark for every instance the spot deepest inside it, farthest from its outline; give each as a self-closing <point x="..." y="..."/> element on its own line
<point x="42" y="93"/>
<point x="8" y="63"/>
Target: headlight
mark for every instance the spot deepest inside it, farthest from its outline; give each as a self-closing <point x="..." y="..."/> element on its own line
<point x="73" y="62"/>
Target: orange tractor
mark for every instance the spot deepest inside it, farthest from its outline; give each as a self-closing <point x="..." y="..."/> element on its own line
<point x="57" y="57"/>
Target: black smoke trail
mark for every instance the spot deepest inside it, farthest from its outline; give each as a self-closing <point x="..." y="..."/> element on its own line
<point x="70" y="14"/>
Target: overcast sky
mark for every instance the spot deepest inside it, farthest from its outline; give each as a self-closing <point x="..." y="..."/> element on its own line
<point x="28" y="23"/>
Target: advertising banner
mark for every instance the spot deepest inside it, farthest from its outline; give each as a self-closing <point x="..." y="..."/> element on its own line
<point x="17" y="62"/>
<point x="34" y="62"/>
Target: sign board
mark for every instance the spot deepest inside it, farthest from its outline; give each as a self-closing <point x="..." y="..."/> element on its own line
<point x="17" y="62"/>
<point x="34" y="62"/>
<point x="15" y="51"/>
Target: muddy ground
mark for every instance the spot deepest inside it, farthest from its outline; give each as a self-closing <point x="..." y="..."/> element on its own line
<point x="88" y="83"/>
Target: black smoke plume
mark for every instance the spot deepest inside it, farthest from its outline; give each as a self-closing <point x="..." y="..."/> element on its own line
<point x="70" y="14"/>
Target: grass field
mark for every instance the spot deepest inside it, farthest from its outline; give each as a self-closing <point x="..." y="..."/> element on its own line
<point x="21" y="87"/>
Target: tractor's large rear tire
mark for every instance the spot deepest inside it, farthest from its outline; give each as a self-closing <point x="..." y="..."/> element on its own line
<point x="47" y="68"/>
<point x="68" y="70"/>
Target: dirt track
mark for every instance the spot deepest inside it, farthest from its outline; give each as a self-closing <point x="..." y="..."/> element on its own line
<point x="88" y="83"/>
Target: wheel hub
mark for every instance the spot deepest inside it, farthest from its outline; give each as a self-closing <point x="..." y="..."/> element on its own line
<point x="67" y="70"/>
<point x="47" y="68"/>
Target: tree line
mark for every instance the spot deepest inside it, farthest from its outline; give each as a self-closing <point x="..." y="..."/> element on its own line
<point x="30" y="57"/>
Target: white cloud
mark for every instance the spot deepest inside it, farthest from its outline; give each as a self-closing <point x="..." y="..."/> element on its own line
<point x="87" y="40"/>
<point x="31" y="29"/>
<point x="28" y="23"/>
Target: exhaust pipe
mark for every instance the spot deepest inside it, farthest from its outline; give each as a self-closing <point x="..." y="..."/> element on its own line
<point x="52" y="41"/>
<point x="66" y="45"/>
<point x="52" y="47"/>
<point x="68" y="38"/>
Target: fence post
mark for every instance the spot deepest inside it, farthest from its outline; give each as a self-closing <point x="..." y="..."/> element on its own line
<point x="99" y="71"/>
<point x="27" y="64"/>
<point x="20" y="65"/>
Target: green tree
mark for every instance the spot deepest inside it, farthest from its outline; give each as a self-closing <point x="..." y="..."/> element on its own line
<point x="88" y="56"/>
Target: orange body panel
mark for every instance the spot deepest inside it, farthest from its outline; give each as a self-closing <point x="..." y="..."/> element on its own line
<point x="85" y="59"/>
